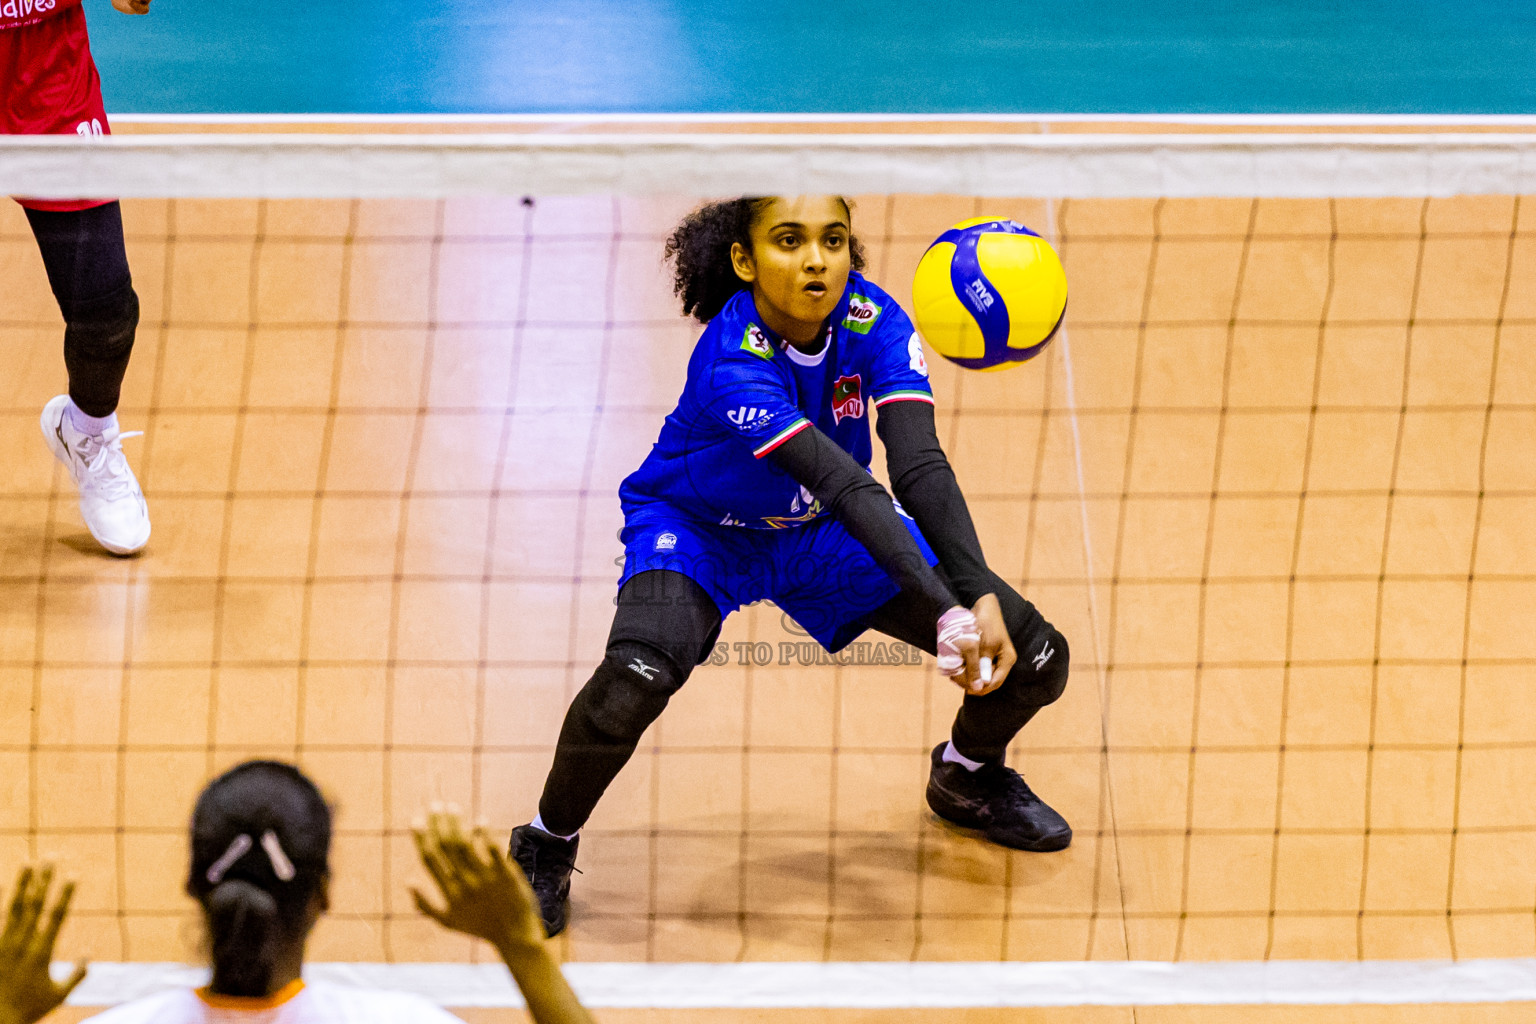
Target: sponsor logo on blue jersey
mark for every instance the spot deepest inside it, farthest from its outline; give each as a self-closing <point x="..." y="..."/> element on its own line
<point x="744" y="414"/>
<point x="846" y="400"/>
<point x="915" y="357"/>
<point x="862" y="314"/>
<point x="755" y="341"/>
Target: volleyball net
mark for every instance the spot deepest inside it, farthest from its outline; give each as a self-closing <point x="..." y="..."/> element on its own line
<point x="1274" y="480"/>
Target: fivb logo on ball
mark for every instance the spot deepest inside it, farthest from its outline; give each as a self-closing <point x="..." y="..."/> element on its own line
<point x="862" y="314"/>
<point x="977" y="292"/>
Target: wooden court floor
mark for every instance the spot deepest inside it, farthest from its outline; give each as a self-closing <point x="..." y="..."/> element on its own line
<point x="1275" y="484"/>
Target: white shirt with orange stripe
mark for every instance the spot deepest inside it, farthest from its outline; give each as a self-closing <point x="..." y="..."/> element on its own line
<point x="297" y="1003"/>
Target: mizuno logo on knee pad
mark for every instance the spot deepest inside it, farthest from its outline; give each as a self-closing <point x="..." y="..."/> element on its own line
<point x="646" y="671"/>
<point x="1044" y="656"/>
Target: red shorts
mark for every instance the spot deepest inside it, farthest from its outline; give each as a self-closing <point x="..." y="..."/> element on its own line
<point x="51" y="87"/>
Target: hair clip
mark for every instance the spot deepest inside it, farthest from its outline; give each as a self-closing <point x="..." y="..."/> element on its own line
<point x="237" y="849"/>
<point x="281" y="865"/>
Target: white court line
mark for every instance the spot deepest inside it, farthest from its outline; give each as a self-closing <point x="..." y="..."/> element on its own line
<point x="1094" y="626"/>
<point x="900" y="985"/>
<point x="1065" y="340"/>
<point x="1277" y="120"/>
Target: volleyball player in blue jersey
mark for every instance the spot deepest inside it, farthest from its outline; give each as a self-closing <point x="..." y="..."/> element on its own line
<point x="759" y="487"/>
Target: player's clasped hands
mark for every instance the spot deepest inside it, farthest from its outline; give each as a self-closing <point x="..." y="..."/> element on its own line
<point x="132" y="6"/>
<point x="27" y="991"/>
<point x="974" y="647"/>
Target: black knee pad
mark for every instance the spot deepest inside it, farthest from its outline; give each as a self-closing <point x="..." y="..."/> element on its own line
<point x="630" y="690"/>
<point x="103" y="327"/>
<point x="1044" y="659"/>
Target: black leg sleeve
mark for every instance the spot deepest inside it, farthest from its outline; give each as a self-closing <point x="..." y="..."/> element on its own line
<point x="986" y="725"/>
<point x="87" y="266"/>
<point x="664" y="625"/>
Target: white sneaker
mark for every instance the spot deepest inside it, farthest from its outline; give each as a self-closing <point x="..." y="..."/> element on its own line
<point x="110" y="499"/>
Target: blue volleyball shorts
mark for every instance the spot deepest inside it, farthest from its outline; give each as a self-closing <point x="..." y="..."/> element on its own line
<point x="818" y="573"/>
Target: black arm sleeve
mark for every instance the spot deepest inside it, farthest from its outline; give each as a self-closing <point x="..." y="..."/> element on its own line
<point x="858" y="501"/>
<point x="925" y="484"/>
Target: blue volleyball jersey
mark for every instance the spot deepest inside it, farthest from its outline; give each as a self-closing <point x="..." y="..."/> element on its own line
<point x="749" y="391"/>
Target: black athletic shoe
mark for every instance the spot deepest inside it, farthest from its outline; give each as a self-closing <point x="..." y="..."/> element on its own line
<point x="547" y="861"/>
<point x="995" y="800"/>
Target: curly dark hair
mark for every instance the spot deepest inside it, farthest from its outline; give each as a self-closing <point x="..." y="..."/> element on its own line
<point x="700" y="253"/>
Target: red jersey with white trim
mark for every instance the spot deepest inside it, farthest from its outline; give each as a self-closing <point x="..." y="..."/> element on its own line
<point x="49" y="79"/>
<point x="749" y="391"/>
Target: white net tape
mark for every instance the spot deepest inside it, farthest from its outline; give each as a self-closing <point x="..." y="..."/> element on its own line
<point x="1068" y="166"/>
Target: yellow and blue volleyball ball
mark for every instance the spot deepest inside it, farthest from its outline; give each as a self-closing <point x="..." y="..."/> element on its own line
<point x="989" y="294"/>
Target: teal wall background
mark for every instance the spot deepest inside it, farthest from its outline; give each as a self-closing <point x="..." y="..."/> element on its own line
<point x="985" y="56"/>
